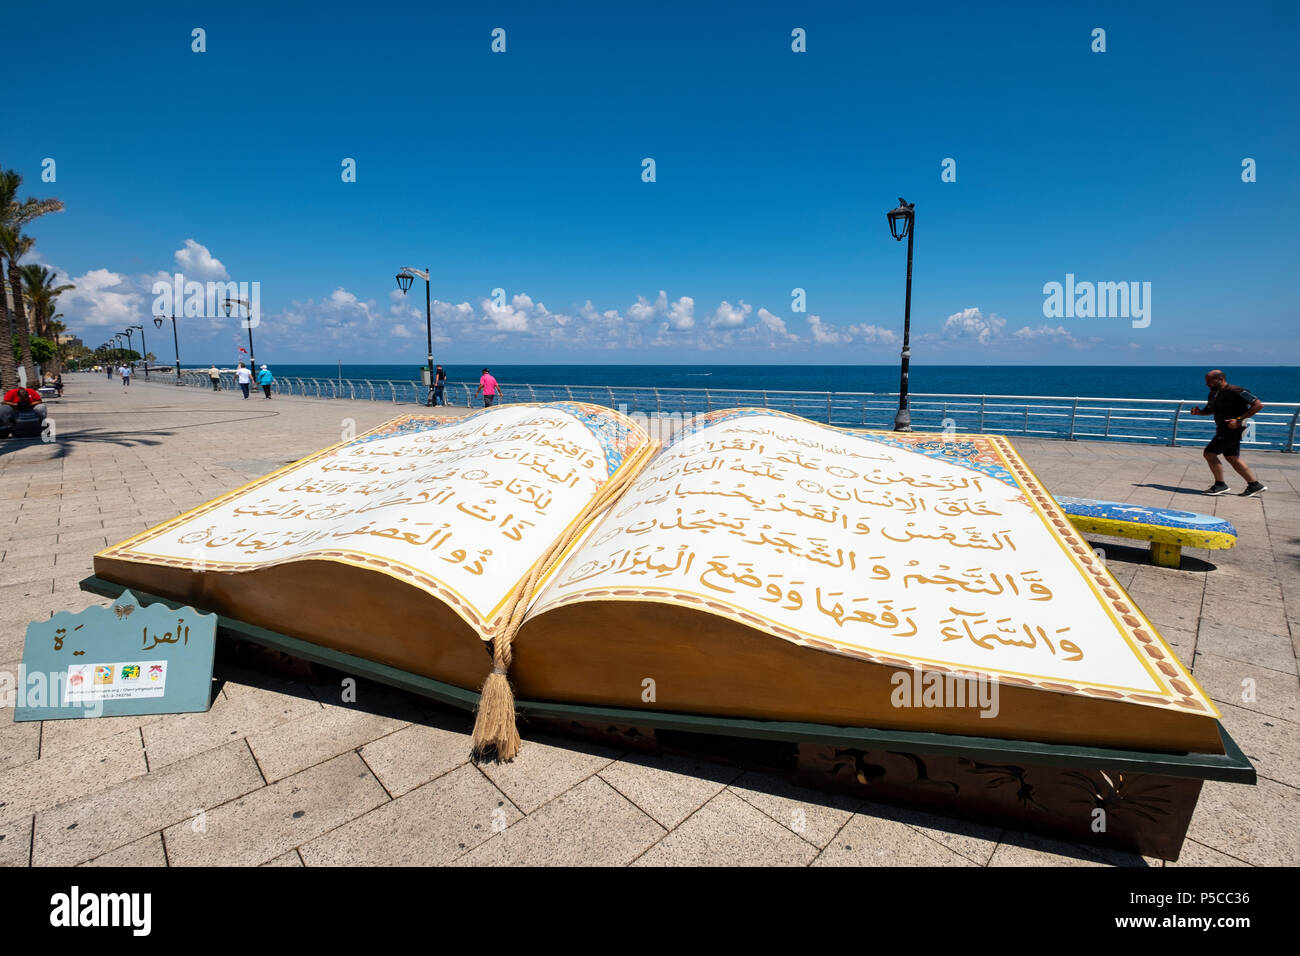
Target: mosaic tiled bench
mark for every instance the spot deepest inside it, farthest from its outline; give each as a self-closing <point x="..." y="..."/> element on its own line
<point x="1168" y="530"/>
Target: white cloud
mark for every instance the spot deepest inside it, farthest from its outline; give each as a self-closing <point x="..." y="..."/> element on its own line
<point x="972" y="325"/>
<point x="825" y="334"/>
<point x="728" y="316"/>
<point x="198" y="263"/>
<point x="102" y="298"/>
<point x="681" y="314"/>
<point x="773" y="323"/>
<point x="1044" y="333"/>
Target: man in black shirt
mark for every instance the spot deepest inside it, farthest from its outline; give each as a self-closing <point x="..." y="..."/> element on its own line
<point x="1230" y="405"/>
<point x="439" y="385"/>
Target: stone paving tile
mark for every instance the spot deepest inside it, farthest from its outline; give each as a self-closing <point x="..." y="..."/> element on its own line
<point x="869" y="840"/>
<point x="83" y="829"/>
<point x="294" y="745"/>
<point x="553" y="766"/>
<point x="668" y="788"/>
<point x="1259" y="825"/>
<point x="61" y="735"/>
<point x="20" y="743"/>
<point x="277" y="818"/>
<point x="972" y="839"/>
<point x="1273" y="651"/>
<point x="1273" y="692"/>
<point x="16" y="841"/>
<point x="146" y="851"/>
<point x="182" y="735"/>
<point x="429" y="826"/>
<point x="727" y="831"/>
<point x="590" y="825"/>
<point x="1269" y="742"/>
<point x="419" y="753"/>
<point x="286" y="859"/>
<point x="816" y="817"/>
<point x="1198" y="854"/>
<point x="70" y="775"/>
<point x="1031" y="849"/>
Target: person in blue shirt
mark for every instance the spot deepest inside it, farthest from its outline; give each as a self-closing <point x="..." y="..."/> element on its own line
<point x="266" y="380"/>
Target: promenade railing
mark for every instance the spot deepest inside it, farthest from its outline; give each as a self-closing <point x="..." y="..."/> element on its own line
<point x="1151" y="421"/>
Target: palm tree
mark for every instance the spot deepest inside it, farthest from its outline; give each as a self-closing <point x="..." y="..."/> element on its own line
<point x="13" y="246"/>
<point x="41" y="291"/>
<point x="8" y="366"/>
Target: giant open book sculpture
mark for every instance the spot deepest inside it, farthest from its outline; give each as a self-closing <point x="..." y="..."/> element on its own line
<point x="758" y="567"/>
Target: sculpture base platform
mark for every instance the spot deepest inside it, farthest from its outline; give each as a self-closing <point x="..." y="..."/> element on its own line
<point x="1140" y="802"/>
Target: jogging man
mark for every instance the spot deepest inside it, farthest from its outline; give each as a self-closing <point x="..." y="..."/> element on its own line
<point x="1230" y="405"/>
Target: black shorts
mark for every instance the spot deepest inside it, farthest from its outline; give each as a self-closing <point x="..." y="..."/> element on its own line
<point x="1226" y="441"/>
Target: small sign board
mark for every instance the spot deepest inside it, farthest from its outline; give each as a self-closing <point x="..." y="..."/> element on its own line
<point x="116" y="661"/>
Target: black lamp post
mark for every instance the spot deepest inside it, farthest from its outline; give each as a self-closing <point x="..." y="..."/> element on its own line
<point x="157" y="324"/>
<point x="404" y="279"/>
<point x="902" y="222"/>
<point x="128" y="333"/>
<point x="144" y="350"/>
<point x="118" y="337"/>
<point x="230" y="303"/>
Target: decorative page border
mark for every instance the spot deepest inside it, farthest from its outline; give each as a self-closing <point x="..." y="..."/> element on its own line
<point x="1181" y="692"/>
<point x="634" y="452"/>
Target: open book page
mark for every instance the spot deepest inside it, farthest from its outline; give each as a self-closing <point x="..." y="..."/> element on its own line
<point x="459" y="507"/>
<point x="901" y="549"/>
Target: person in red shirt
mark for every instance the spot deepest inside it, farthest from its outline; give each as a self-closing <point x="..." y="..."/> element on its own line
<point x="16" y="399"/>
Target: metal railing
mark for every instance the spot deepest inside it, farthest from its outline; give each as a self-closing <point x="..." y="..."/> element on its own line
<point x="1151" y="421"/>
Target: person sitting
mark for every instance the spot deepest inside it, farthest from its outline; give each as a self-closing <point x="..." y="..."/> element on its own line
<point x="18" y="401"/>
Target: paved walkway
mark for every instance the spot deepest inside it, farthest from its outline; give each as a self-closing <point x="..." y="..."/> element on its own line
<point x="279" y="772"/>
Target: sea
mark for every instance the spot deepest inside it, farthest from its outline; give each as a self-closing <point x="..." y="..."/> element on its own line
<point x="1276" y="383"/>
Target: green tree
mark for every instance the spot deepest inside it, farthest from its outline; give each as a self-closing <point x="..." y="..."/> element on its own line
<point x="42" y="350"/>
<point x="14" y="215"/>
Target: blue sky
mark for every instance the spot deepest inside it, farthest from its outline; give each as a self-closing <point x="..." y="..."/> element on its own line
<point x="522" y="171"/>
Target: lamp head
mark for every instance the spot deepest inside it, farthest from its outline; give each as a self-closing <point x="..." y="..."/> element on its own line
<point x="404" y="280"/>
<point x="157" y="321"/>
<point x="900" y="219"/>
<point x="228" y="305"/>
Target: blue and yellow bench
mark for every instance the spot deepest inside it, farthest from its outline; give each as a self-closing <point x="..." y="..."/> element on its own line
<point x="1168" y="530"/>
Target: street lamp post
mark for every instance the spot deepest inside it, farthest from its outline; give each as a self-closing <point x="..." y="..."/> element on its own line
<point x="128" y="332"/>
<point x="157" y="323"/>
<point x="118" y="337"/>
<point x="405" y="276"/>
<point x="230" y="303"/>
<point x="902" y="222"/>
<point x="144" y="350"/>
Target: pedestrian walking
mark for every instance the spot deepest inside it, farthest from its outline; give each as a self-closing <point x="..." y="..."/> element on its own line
<point x="214" y="376"/>
<point x="490" y="389"/>
<point x="244" y="377"/>
<point x="1230" y="405"/>
<point x="125" y="372"/>
<point x="266" y="380"/>
<point x="439" y="386"/>
<point x="109" y="370"/>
